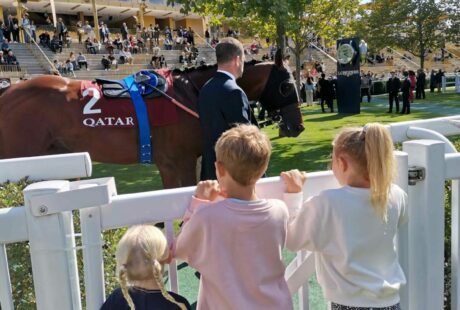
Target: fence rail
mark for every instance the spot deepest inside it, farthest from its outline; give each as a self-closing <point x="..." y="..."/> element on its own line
<point x="46" y="222"/>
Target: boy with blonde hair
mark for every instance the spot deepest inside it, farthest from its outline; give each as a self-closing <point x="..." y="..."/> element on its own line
<point x="235" y="242"/>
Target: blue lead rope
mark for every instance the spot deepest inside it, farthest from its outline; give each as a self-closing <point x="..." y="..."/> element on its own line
<point x="145" y="147"/>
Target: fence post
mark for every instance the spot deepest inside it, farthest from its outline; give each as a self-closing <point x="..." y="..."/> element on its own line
<point x="403" y="232"/>
<point x="6" y="298"/>
<point x="426" y="226"/>
<point x="455" y="248"/>
<point x="52" y="252"/>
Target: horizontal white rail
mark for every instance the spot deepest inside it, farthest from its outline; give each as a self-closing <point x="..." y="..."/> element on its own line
<point x="63" y="166"/>
<point x="13" y="225"/>
<point x="170" y="204"/>
<point x="446" y="126"/>
<point x="452" y="166"/>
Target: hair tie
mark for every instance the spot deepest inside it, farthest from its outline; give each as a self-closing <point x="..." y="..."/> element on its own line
<point x="156" y="263"/>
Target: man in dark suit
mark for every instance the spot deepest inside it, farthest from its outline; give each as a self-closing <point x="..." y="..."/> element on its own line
<point x="421" y="80"/>
<point x="222" y="103"/>
<point x="124" y="31"/>
<point x="405" y="89"/>
<point x="393" y="86"/>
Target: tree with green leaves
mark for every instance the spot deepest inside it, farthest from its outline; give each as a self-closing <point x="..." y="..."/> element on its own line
<point x="328" y="19"/>
<point x="412" y="25"/>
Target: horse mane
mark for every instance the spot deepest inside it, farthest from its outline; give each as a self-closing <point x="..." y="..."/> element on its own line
<point x="252" y="62"/>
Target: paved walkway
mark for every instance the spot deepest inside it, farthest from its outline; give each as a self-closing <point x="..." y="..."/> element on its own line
<point x="419" y="105"/>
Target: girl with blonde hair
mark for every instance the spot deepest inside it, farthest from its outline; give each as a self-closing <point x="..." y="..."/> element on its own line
<point x="352" y="228"/>
<point x="140" y="273"/>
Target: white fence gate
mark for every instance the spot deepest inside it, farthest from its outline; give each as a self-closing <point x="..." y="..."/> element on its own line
<point x="46" y="222"/>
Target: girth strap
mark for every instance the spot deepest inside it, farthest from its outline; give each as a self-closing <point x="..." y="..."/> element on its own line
<point x="145" y="147"/>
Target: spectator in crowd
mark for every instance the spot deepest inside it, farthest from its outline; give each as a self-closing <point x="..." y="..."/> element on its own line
<point x="118" y="43"/>
<point x="44" y="38"/>
<point x="109" y="46"/>
<point x="2" y="30"/>
<point x="81" y="60"/>
<point x="366" y="83"/>
<point x="113" y="62"/>
<point x="16" y="31"/>
<point x="105" y="63"/>
<point x="357" y="264"/>
<point x="191" y="36"/>
<point x="33" y="30"/>
<point x="243" y="154"/>
<point x="393" y="86"/>
<point x="61" y="29"/>
<point x="420" y="87"/>
<point x="56" y="44"/>
<point x="183" y="58"/>
<point x="124" y="31"/>
<point x="8" y="28"/>
<point x="439" y="76"/>
<point x="413" y="83"/>
<point x="73" y="60"/>
<point x="11" y="59"/>
<point x="126" y="57"/>
<point x="69" y="68"/>
<point x="309" y="90"/>
<point x="133" y="45"/>
<point x="207" y="36"/>
<point x="432" y="81"/>
<point x="168" y="44"/>
<point x="80" y="32"/>
<point x="2" y="59"/>
<point x="104" y="32"/>
<point x="55" y="69"/>
<point x="67" y="39"/>
<point x="94" y="47"/>
<point x="214" y="42"/>
<point x="5" y="47"/>
<point x="162" y="61"/>
<point x="405" y="89"/>
<point x="26" y="27"/>
<point x="156" y="35"/>
<point x="326" y="93"/>
<point x="155" y="61"/>
<point x="140" y="256"/>
<point x="88" y="30"/>
<point x="273" y="50"/>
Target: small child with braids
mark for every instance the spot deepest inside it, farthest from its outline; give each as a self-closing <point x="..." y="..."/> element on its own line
<point x="352" y="229"/>
<point x="140" y="273"/>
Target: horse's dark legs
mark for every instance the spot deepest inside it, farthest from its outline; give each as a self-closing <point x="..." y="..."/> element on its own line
<point x="177" y="173"/>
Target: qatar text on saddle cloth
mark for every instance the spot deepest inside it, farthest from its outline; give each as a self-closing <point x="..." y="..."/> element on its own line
<point x="98" y="111"/>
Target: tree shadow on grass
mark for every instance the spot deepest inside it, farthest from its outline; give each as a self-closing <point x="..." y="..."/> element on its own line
<point x="309" y="156"/>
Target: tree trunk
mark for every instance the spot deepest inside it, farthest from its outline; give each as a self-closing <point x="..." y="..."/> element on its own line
<point x="422" y="56"/>
<point x="280" y="35"/>
<point x="298" y="51"/>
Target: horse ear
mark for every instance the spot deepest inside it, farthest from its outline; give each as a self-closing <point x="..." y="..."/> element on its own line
<point x="279" y="58"/>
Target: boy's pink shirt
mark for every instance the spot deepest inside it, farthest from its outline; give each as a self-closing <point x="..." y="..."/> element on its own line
<point x="236" y="246"/>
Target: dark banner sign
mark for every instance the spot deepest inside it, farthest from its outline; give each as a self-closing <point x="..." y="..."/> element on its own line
<point x="348" y="76"/>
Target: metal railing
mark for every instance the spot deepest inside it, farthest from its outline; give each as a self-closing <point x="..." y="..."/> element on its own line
<point x="40" y="54"/>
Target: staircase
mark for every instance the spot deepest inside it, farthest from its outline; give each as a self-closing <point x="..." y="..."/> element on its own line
<point x="26" y="59"/>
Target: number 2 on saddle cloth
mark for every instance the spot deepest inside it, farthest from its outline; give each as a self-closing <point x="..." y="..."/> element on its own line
<point x="120" y="104"/>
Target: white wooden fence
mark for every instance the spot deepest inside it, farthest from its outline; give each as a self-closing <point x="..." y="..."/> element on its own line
<point x="46" y="222"/>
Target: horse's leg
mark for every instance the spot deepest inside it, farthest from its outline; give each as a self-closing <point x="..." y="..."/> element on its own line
<point x="18" y="140"/>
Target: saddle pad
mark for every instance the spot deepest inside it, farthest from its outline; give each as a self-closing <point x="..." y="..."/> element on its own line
<point x="99" y="111"/>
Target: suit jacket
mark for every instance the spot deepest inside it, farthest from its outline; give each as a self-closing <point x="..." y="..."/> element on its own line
<point x="221" y="105"/>
<point x="406" y="86"/>
<point x="393" y="85"/>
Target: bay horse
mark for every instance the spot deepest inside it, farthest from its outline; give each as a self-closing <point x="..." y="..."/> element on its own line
<point x="41" y="116"/>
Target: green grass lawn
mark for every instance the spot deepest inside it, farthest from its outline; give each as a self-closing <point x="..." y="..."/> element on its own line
<point x="310" y="151"/>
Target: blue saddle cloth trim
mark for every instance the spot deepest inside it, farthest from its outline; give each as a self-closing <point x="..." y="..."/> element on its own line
<point x="145" y="147"/>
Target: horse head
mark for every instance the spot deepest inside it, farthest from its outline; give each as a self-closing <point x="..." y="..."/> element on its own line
<point x="274" y="87"/>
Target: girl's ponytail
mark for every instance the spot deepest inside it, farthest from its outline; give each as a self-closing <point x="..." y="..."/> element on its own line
<point x="380" y="165"/>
